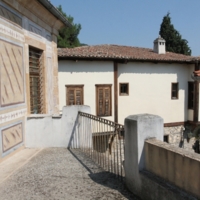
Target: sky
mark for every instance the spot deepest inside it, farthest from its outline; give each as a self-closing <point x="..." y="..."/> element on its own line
<point x="133" y="22"/>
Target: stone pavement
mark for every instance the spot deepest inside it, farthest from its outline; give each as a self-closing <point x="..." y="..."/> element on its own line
<point x="58" y="173"/>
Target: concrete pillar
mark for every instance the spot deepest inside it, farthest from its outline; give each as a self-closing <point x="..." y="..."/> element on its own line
<point x="138" y="128"/>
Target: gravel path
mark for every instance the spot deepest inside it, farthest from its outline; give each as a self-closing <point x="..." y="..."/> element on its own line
<point x="57" y="173"/>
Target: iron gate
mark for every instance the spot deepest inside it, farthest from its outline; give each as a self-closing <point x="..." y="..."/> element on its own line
<point x="102" y="140"/>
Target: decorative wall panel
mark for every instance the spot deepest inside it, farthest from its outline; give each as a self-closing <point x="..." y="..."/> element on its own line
<point x="35" y="30"/>
<point x="10" y="16"/>
<point x="11" y="33"/>
<point x="12" y="136"/>
<point x="9" y="116"/>
<point x="11" y="74"/>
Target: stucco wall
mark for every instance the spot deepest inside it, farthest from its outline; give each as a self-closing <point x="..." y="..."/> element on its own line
<point x="21" y="27"/>
<point x="87" y="73"/>
<point x="150" y="90"/>
<point x="173" y="164"/>
<point x="149" y="87"/>
<point x="54" y="131"/>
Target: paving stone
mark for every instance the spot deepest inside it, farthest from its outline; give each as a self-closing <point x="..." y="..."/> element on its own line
<point x="58" y="173"/>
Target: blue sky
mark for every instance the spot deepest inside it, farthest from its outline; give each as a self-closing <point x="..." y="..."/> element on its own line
<point x="133" y="22"/>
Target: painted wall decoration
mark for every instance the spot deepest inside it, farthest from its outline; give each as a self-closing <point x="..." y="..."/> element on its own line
<point x="6" y="117"/>
<point x="10" y="16"/>
<point x="11" y="74"/>
<point x="35" y="30"/>
<point x="12" y="136"/>
<point x="11" y="33"/>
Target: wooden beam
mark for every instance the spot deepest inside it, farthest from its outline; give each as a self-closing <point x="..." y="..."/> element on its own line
<point x="116" y="92"/>
<point x="196" y="96"/>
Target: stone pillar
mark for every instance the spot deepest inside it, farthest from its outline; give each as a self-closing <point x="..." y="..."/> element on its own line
<point x="138" y="128"/>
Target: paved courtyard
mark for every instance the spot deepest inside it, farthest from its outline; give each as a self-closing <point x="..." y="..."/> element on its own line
<point x="57" y="173"/>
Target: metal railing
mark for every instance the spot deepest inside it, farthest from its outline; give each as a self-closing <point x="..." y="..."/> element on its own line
<point x="102" y="140"/>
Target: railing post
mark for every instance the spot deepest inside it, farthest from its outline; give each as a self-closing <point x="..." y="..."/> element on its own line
<point x="138" y="128"/>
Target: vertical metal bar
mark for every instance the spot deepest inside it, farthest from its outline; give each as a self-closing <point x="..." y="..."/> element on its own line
<point x="120" y="152"/>
<point x="117" y="140"/>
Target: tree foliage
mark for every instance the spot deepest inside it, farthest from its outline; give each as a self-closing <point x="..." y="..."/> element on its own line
<point x="174" y="41"/>
<point x="68" y="36"/>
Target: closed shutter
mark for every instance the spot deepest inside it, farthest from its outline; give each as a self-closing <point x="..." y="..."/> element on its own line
<point x="103" y="100"/>
<point x="107" y="101"/>
<point x="74" y="95"/>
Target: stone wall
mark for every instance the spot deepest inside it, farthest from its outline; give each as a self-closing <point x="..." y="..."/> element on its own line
<point x="156" y="170"/>
<point x="178" y="166"/>
<point x="178" y="137"/>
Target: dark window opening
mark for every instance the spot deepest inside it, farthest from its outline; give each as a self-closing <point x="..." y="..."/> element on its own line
<point x="166" y="138"/>
<point x="190" y="95"/>
<point x="123" y="89"/>
<point x="174" y="91"/>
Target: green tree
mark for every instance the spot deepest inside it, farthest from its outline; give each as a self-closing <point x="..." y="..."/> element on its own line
<point x="68" y="36"/>
<point x="174" y="41"/>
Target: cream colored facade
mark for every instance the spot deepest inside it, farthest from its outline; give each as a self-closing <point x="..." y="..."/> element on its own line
<point x="149" y="87"/>
<point x="24" y="24"/>
<point x="88" y="74"/>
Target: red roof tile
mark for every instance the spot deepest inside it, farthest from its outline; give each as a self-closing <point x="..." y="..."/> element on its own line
<point x="121" y="52"/>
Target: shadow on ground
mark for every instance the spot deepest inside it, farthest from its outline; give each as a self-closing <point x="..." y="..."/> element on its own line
<point x="98" y="175"/>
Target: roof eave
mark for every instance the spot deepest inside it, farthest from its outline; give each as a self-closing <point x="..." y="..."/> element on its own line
<point x="47" y="4"/>
<point x="125" y="59"/>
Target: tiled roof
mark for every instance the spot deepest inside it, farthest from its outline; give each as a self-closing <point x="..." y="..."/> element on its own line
<point x="121" y="52"/>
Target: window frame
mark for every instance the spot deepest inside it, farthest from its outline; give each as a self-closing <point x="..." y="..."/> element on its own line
<point x="74" y="86"/>
<point x="177" y="92"/>
<point x="123" y="94"/>
<point x="97" y="86"/>
<point x="190" y="100"/>
<point x="41" y="76"/>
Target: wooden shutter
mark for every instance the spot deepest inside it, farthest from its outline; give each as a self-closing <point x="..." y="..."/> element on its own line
<point x="71" y="96"/>
<point x="103" y="100"/>
<point x="107" y="101"/>
<point x="74" y="95"/>
<point x="78" y="93"/>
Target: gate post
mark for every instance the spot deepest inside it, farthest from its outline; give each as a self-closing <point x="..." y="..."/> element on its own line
<point x="138" y="128"/>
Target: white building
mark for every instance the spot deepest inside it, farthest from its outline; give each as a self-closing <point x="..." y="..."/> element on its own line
<point x="117" y="81"/>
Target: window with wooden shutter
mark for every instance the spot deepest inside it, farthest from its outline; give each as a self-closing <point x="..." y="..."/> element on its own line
<point x="74" y="94"/>
<point x="36" y="79"/>
<point x="103" y="100"/>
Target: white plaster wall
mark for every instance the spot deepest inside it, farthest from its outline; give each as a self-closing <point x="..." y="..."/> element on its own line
<point x="150" y="90"/>
<point x="87" y="73"/>
<point x="51" y="131"/>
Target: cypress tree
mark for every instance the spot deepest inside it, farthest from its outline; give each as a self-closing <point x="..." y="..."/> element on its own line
<point x="174" y="41"/>
<point x="68" y="36"/>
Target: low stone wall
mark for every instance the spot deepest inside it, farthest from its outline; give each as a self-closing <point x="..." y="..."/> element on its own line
<point x="178" y="166"/>
<point x="178" y="137"/>
<point x="156" y="173"/>
<point x="54" y="131"/>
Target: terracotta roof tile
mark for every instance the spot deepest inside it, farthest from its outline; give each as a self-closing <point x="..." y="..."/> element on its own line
<point x="121" y="52"/>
